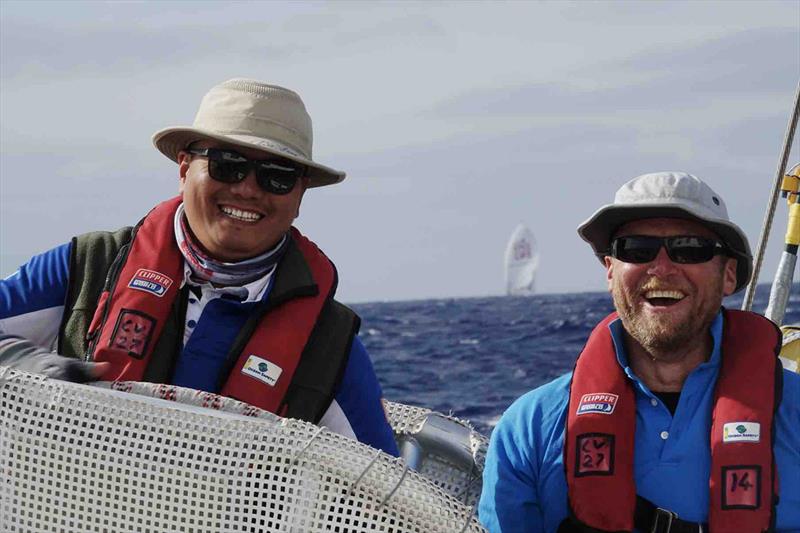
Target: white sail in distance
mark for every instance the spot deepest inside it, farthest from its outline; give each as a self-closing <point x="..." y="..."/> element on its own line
<point x="521" y="262"/>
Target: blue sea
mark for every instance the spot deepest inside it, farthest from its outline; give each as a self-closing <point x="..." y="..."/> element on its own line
<point x="474" y="356"/>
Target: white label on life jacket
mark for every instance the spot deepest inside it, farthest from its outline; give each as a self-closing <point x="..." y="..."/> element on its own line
<point x="150" y="281"/>
<point x="598" y="402"/>
<point x="741" y="432"/>
<point x="262" y="370"/>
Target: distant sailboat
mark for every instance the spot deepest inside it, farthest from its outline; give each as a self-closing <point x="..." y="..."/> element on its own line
<point x="521" y="261"/>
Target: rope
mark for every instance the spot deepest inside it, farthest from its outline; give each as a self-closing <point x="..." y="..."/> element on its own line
<point x="470" y="482"/>
<point x="396" y="486"/>
<point x="296" y="458"/>
<point x="352" y="488"/>
<point x="468" y="521"/>
<point x="747" y="303"/>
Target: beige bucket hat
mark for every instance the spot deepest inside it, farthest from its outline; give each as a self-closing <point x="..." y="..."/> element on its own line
<point x="252" y="114"/>
<point x="669" y="195"/>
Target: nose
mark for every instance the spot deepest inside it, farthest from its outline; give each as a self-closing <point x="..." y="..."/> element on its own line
<point x="248" y="187"/>
<point x="662" y="265"/>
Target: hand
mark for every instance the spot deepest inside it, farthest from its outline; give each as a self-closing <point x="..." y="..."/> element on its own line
<point x="21" y="354"/>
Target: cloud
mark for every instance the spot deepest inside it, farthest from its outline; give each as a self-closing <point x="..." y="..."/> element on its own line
<point x="758" y="47"/>
<point x="474" y="154"/>
<point x="120" y="38"/>
<point x="404" y="28"/>
<point x="754" y="135"/>
<point x="31" y="52"/>
<point x="753" y="63"/>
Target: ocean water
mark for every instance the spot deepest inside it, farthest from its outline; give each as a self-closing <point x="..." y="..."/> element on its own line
<point x="474" y="356"/>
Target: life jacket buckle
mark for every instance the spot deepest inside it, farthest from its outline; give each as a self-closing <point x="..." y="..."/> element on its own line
<point x="662" y="520"/>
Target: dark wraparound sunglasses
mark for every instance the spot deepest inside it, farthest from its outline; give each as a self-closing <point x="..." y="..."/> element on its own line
<point x="275" y="176"/>
<point x="684" y="249"/>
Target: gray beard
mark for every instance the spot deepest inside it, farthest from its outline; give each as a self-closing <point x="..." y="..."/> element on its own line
<point x="662" y="337"/>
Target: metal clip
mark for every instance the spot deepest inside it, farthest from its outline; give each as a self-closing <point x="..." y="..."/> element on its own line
<point x="668" y="517"/>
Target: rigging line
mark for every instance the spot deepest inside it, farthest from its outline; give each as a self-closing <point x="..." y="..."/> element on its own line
<point x="747" y="303"/>
<point x="296" y="458"/>
<point x="352" y="488"/>
<point x="396" y="486"/>
<point x="469" y="518"/>
<point x="473" y="477"/>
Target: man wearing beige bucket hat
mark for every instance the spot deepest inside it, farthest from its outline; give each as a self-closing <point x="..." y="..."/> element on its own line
<point x="678" y="416"/>
<point x="213" y="289"/>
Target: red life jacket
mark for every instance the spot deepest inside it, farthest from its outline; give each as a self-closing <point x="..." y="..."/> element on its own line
<point x="131" y="315"/>
<point x="599" y="440"/>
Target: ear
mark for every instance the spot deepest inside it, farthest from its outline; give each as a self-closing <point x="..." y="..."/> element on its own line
<point x="184" y="160"/>
<point x="729" y="276"/>
<point x="609" y="271"/>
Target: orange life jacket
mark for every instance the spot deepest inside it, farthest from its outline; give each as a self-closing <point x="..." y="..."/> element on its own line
<point x="599" y="440"/>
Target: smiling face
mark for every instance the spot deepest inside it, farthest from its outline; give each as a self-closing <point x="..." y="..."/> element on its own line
<point x="666" y="306"/>
<point x="234" y="221"/>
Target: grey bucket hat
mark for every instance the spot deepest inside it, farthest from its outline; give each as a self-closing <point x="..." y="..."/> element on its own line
<point x="670" y="195"/>
<point x="252" y="114"/>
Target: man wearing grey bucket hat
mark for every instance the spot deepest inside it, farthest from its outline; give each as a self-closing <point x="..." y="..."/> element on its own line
<point x="678" y="416"/>
<point x="214" y="289"/>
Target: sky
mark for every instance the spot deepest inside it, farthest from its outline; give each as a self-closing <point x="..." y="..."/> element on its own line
<point x="455" y="122"/>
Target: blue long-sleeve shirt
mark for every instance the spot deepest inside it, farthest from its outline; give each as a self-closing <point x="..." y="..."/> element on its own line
<point x="524" y="485"/>
<point x="32" y="303"/>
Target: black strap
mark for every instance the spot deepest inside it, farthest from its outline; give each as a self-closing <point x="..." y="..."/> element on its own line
<point x="651" y="519"/>
<point x="647" y="519"/>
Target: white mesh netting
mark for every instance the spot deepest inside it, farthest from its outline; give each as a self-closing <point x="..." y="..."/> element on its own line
<point x="462" y="483"/>
<point x="75" y="458"/>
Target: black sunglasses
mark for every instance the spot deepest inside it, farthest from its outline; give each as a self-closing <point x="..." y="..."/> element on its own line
<point x="275" y="176"/>
<point x="684" y="249"/>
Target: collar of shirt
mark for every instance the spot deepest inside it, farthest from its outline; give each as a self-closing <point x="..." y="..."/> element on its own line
<point x="713" y="362"/>
<point x="251" y="292"/>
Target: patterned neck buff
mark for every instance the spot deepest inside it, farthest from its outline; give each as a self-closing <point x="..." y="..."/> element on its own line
<point x="207" y="269"/>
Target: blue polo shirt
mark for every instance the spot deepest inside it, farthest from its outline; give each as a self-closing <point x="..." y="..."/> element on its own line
<point x="524" y="485"/>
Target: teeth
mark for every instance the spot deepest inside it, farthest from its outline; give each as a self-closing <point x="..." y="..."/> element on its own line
<point x="674" y="295"/>
<point x="248" y="216"/>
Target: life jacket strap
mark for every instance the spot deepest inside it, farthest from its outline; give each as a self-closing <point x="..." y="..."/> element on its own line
<point x="651" y="519"/>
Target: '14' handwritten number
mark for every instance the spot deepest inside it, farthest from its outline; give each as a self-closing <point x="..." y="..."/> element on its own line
<point x="742" y="482"/>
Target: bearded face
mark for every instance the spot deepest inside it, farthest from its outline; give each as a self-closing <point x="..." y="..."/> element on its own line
<point x="666" y="306"/>
<point x="646" y="316"/>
